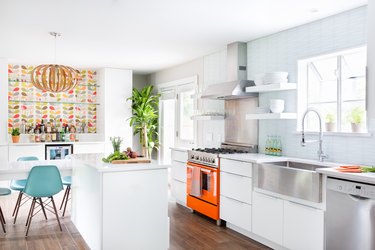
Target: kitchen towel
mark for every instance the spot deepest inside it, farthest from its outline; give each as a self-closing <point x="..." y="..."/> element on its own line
<point x="195" y="188"/>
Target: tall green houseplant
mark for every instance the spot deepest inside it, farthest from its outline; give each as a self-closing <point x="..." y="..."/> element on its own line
<point x="144" y="118"/>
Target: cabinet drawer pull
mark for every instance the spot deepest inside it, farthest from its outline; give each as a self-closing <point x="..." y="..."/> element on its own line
<point x="305" y="206"/>
<point x="236" y="201"/>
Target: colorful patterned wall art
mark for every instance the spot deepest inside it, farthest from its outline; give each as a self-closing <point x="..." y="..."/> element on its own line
<point x="73" y="107"/>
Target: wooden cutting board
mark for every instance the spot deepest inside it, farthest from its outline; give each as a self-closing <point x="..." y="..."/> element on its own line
<point x="132" y="160"/>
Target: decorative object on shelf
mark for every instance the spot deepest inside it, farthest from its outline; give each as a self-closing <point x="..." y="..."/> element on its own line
<point x="53" y="77"/>
<point x="330" y="122"/>
<point x="73" y="107"/>
<point x="145" y="117"/>
<point x="356" y="118"/>
<point x="15" y="135"/>
<point x="277" y="105"/>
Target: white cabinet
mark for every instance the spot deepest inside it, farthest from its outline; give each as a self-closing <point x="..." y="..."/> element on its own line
<point x="26" y="150"/>
<point x="291" y="225"/>
<point x="303" y="227"/>
<point x="178" y="174"/>
<point x="235" y="212"/>
<point x="236" y="186"/>
<point x="3" y="153"/>
<point x="236" y="193"/>
<point x="83" y="148"/>
<point x="268" y="217"/>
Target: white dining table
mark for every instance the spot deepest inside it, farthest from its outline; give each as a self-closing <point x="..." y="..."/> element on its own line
<point x="21" y="169"/>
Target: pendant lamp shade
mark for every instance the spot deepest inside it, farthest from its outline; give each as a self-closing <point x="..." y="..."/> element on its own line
<point x="55" y="78"/>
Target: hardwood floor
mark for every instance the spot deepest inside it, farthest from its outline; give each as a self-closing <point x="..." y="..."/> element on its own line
<point x="187" y="231"/>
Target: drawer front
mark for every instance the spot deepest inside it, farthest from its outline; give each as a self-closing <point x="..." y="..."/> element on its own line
<point x="179" y="171"/>
<point x="236" y="187"/>
<point x="179" y="191"/>
<point x="180" y="156"/>
<point x="236" y="167"/>
<point x="235" y="212"/>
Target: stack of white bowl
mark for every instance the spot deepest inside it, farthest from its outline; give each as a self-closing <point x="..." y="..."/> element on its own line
<point x="271" y="78"/>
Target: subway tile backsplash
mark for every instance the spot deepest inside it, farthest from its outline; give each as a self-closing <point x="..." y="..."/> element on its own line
<point x="280" y="52"/>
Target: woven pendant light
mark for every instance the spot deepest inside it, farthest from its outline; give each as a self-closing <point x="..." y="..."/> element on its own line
<point x="53" y="77"/>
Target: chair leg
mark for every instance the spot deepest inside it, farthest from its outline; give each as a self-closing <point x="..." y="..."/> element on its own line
<point x="17" y="207"/>
<point x="2" y="216"/>
<point x="67" y="198"/>
<point x="17" y="203"/>
<point x="2" y="220"/>
<point x="62" y="203"/>
<point x="30" y="216"/>
<point x="57" y="216"/>
<point x="44" y="211"/>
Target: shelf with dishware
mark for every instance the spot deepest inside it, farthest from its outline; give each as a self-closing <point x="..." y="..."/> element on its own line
<point x="271" y="116"/>
<point x="271" y="87"/>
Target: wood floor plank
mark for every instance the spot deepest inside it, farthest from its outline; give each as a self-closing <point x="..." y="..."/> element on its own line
<point x="187" y="231"/>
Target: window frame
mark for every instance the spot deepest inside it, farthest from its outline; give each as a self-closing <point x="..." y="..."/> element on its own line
<point x="302" y="92"/>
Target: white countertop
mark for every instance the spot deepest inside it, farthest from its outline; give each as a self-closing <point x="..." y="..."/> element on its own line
<point x="330" y="171"/>
<point x="180" y="149"/>
<point x="95" y="161"/>
<point x="362" y="177"/>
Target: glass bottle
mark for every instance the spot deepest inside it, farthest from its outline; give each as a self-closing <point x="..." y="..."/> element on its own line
<point x="268" y="145"/>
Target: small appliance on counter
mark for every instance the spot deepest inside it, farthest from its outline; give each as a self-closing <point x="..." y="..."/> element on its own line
<point x="203" y="177"/>
<point x="57" y="151"/>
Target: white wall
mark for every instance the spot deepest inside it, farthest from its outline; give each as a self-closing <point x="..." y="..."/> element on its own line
<point x="4" y="102"/>
<point x="114" y="110"/>
<point x="280" y="52"/>
<point x="371" y="62"/>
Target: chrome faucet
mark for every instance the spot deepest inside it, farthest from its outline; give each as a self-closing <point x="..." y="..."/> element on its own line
<point x="321" y="154"/>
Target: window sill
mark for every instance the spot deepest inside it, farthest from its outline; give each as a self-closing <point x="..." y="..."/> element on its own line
<point x="342" y="134"/>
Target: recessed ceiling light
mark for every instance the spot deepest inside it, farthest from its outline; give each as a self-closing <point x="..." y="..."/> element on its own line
<point x="313" y="10"/>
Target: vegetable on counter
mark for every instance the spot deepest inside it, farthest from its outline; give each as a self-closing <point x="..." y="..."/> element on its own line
<point x="356" y="169"/>
<point x="115" y="156"/>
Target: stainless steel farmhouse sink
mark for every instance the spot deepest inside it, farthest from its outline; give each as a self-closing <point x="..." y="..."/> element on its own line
<point x="292" y="178"/>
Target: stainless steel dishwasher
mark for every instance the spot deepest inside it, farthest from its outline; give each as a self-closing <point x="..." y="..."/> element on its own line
<point x="350" y="215"/>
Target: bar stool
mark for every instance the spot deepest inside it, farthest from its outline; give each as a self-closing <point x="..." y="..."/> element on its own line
<point x="44" y="181"/>
<point x="19" y="185"/>
<point x="3" y="192"/>
<point x="66" y="181"/>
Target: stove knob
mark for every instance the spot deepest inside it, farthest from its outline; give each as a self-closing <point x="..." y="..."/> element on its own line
<point x="197" y="157"/>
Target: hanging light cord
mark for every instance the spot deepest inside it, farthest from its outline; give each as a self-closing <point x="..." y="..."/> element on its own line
<point x="55" y="34"/>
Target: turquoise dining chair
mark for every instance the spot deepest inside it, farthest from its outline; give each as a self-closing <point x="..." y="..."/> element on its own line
<point x="66" y="181"/>
<point x="44" y="181"/>
<point x="3" y="191"/>
<point x="19" y="185"/>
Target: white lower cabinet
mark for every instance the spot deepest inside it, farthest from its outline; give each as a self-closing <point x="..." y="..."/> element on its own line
<point x="289" y="224"/>
<point x="303" y="227"/>
<point x="178" y="175"/>
<point x="236" y="186"/>
<point x="235" y="212"/>
<point x="268" y="217"/>
<point x="179" y="191"/>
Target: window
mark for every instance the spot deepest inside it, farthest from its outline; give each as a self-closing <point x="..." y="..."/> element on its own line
<point x="177" y="105"/>
<point x="335" y="85"/>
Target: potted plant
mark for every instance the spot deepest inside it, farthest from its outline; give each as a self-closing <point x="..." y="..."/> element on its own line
<point x="356" y="119"/>
<point x="145" y="117"/>
<point x="15" y="135"/>
<point x="330" y="120"/>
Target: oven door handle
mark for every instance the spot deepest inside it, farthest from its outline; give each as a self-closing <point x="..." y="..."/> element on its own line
<point x="205" y="170"/>
<point x="202" y="169"/>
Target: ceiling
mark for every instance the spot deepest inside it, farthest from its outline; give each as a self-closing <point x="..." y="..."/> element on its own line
<point x="145" y="35"/>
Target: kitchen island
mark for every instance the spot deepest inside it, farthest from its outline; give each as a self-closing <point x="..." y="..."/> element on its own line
<point x="122" y="206"/>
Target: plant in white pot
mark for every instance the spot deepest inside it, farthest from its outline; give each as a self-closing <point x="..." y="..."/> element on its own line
<point x="330" y="122"/>
<point x="356" y="118"/>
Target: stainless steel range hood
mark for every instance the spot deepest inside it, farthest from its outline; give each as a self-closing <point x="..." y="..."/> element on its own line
<point x="235" y="87"/>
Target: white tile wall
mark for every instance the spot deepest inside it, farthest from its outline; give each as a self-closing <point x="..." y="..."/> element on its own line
<point x="215" y="71"/>
<point x="281" y="51"/>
